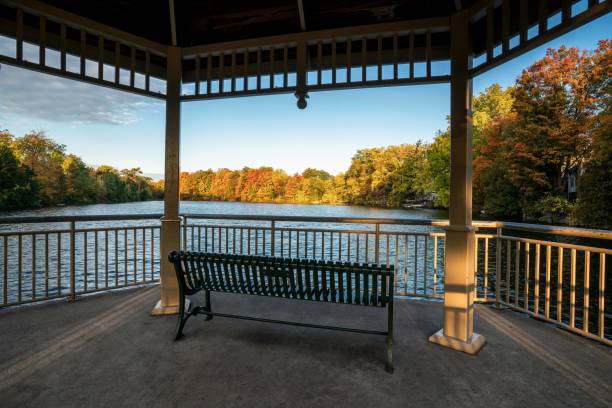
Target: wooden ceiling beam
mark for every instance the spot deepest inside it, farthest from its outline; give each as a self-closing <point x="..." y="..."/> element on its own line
<point x="73" y="20"/>
<point x="300" y="4"/>
<point x="172" y="22"/>
<point x="433" y="25"/>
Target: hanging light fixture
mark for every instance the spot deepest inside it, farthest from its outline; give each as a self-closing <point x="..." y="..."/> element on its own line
<point x="301" y="97"/>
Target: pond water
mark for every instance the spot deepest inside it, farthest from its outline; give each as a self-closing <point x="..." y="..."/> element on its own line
<point x="235" y="208"/>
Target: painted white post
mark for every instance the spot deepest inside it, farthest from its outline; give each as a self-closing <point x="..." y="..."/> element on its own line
<point x="458" y="325"/>
<point x="170" y="222"/>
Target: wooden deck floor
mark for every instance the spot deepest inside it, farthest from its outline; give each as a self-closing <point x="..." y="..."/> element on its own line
<point x="107" y="351"/>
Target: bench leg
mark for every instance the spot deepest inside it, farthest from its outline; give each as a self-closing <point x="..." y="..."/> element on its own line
<point x="181" y="316"/>
<point x="208" y="307"/>
<point x="389" y="365"/>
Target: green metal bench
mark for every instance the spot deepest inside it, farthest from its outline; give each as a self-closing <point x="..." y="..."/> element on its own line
<point x="303" y="279"/>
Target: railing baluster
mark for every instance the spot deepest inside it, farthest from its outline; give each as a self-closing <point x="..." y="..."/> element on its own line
<point x="602" y="292"/>
<point x="425" y="266"/>
<point x="547" y="294"/>
<point x="85" y="261"/>
<point x="106" y="258"/>
<point x="517" y="270"/>
<point x="5" y="268"/>
<point x="486" y="270"/>
<point x="476" y="267"/>
<point x="585" y="296"/>
<point x="19" y="267"/>
<point x="573" y="289"/>
<point x="96" y="258"/>
<point x="508" y="267"/>
<point x="415" y="263"/>
<point x="536" y="287"/>
<point x="46" y="263"/>
<point x="560" y="284"/>
<point x="59" y="264"/>
<point x="125" y="257"/>
<point x="34" y="266"/>
<point x="435" y="266"/>
<point x="405" y="264"/>
<point x="117" y="257"/>
<point x="134" y="249"/>
<point x="144" y="256"/>
<point x="527" y="254"/>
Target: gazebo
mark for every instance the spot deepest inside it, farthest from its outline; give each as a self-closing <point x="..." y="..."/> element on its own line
<point x="187" y="50"/>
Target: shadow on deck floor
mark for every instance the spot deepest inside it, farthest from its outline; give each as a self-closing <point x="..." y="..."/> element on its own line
<point x="107" y="351"/>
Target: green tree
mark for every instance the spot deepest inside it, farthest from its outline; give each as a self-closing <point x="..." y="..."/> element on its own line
<point x="80" y="181"/>
<point x="18" y="187"/>
<point x="45" y="157"/>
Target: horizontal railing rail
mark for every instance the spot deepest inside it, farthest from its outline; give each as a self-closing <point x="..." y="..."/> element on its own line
<point x="556" y="274"/>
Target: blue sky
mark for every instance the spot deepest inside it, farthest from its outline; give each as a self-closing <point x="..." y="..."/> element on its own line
<point x="123" y="130"/>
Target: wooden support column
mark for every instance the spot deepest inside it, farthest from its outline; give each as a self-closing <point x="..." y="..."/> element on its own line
<point x="458" y="323"/>
<point x="170" y="222"/>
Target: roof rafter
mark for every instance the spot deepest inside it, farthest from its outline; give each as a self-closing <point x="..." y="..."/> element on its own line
<point x="172" y="22"/>
<point x="300" y="4"/>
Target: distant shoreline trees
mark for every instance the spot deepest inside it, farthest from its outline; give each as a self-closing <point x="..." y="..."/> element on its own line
<point x="555" y="122"/>
<point x="36" y="172"/>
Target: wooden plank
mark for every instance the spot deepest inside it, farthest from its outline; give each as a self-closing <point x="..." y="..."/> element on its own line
<point x="42" y="41"/>
<point x="411" y="53"/>
<point x="566" y="10"/>
<point x="285" y="67"/>
<point x="364" y="59"/>
<point x="319" y="63"/>
<point x="258" y="68"/>
<point x="82" y="52"/>
<point x="333" y="61"/>
<point x="100" y="58"/>
<point x="395" y="61"/>
<point x="505" y="26"/>
<point x="63" y="47"/>
<point x="117" y="64"/>
<point x="132" y="67"/>
<point x="233" y="75"/>
<point x="147" y="70"/>
<point x="208" y="76"/>
<point x="221" y="73"/>
<point x="428" y="53"/>
<point x="379" y="57"/>
<point x="490" y="32"/>
<point x="542" y="17"/>
<point x="19" y="37"/>
<point x="523" y="20"/>
<point x="271" y="58"/>
<point x="197" y="75"/>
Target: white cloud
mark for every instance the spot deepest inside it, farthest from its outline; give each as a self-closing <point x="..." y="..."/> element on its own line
<point x="25" y="93"/>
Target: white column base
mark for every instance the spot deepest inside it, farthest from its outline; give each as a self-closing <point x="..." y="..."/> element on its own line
<point x="472" y="346"/>
<point x="160" y="310"/>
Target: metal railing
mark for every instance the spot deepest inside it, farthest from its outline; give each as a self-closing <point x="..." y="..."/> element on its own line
<point x="414" y="247"/>
<point x="42" y="259"/>
<point x="556" y="274"/>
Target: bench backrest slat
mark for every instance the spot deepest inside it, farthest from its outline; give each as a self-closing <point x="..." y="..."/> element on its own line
<point x="326" y="281"/>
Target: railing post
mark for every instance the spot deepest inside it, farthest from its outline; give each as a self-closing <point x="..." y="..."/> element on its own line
<point x="272" y="238"/>
<point x="498" y="256"/>
<point x="377" y="250"/>
<point x="184" y="246"/>
<point x="72" y="296"/>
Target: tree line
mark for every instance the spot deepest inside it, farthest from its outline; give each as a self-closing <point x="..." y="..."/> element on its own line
<point x="528" y="138"/>
<point x="36" y="172"/>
